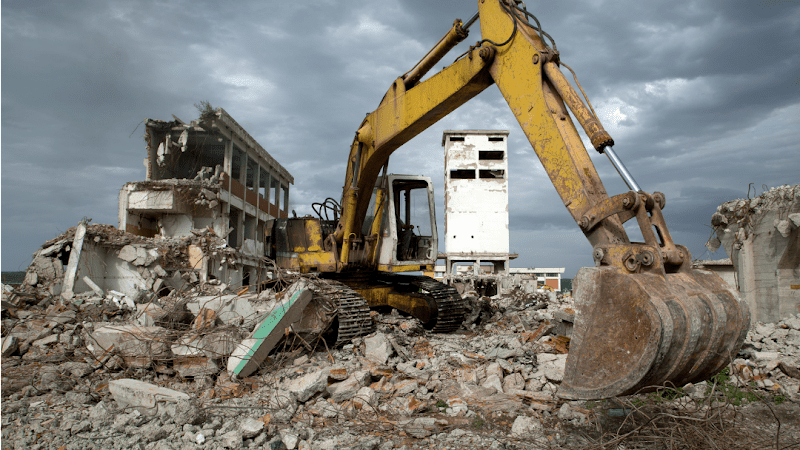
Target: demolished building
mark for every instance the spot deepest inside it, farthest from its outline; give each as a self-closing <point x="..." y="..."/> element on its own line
<point x="202" y="213"/>
<point x="209" y="173"/>
<point x="762" y="237"/>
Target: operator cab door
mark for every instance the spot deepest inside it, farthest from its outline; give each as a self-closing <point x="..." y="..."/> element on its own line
<point x="408" y="228"/>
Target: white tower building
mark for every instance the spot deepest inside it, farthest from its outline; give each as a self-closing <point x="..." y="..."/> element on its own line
<point x="476" y="199"/>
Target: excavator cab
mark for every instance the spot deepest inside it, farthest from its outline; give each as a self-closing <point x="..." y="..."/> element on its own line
<point x="408" y="226"/>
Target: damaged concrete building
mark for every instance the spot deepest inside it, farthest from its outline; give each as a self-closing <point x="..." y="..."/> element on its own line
<point x="476" y="205"/>
<point x="212" y="174"/>
<point x="762" y="237"/>
<point x="200" y="215"/>
<point x="476" y="199"/>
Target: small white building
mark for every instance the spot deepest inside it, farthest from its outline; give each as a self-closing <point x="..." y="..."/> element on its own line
<point x="476" y="200"/>
<point x="544" y="276"/>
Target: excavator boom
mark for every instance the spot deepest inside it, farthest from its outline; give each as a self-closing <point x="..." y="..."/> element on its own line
<point x="644" y="317"/>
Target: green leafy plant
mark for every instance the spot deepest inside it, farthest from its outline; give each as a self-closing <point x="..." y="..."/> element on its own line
<point x="478" y="423"/>
<point x="730" y="392"/>
<point x="441" y="404"/>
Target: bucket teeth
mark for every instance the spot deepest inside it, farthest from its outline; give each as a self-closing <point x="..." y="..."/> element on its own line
<point x="634" y="332"/>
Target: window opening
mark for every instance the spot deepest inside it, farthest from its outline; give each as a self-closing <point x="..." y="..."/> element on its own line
<point x="491" y="155"/>
<point x="263" y="179"/>
<point x="237" y="160"/>
<point x="462" y="174"/>
<point x="492" y="174"/>
<point x="252" y="174"/>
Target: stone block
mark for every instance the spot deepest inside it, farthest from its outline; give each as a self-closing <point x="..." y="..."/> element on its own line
<point x="137" y="345"/>
<point x="195" y="366"/>
<point x="231" y="309"/>
<point x="494" y="382"/>
<point x="526" y="425"/>
<point x="404" y="387"/>
<point x="129" y="392"/>
<point x="344" y="390"/>
<point x="515" y="381"/>
<point x="52" y="339"/>
<point x="251" y="428"/>
<point x="365" y="397"/>
<point x="127" y="253"/>
<point x="377" y="348"/>
<point x="10" y="345"/>
<point x="148" y="314"/>
<point x="309" y="384"/>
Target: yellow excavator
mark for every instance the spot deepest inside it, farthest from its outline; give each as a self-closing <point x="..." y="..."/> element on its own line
<point x="643" y="318"/>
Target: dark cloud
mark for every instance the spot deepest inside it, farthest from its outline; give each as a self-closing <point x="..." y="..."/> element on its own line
<point x="701" y="98"/>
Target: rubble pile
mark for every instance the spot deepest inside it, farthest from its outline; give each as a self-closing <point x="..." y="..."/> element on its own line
<point x="157" y="264"/>
<point x="737" y="219"/>
<point x="154" y="371"/>
<point x="770" y="356"/>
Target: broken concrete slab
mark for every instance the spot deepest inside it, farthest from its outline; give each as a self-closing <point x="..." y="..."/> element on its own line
<point x="148" y="314"/>
<point x="305" y="387"/>
<point x="377" y="348"/>
<point x="231" y="309"/>
<point x="138" y="346"/>
<point x="130" y="392"/>
<point x="344" y="390"/>
<point x="74" y="260"/>
<point x="249" y="354"/>
<point x="524" y="425"/>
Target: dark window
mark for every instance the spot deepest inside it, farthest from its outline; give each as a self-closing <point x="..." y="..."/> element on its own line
<point x="237" y="163"/>
<point x="496" y="138"/>
<point x="462" y="174"/>
<point x="263" y="181"/>
<point x="491" y="155"/>
<point x="456" y="138"/>
<point x="252" y="174"/>
<point x="492" y="174"/>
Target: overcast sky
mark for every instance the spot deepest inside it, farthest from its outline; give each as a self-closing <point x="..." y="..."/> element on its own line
<point x="701" y="97"/>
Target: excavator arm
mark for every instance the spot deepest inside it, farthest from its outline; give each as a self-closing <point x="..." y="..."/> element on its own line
<point x="643" y="315"/>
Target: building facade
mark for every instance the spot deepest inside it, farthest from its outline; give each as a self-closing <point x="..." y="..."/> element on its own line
<point x="208" y="174"/>
<point x="476" y="200"/>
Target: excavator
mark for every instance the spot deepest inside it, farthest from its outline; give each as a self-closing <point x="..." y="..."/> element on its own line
<point x="643" y="317"/>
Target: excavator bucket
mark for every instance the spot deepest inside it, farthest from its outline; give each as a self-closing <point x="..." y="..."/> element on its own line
<point x="635" y="332"/>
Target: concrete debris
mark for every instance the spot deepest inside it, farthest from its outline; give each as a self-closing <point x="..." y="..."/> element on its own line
<point x="248" y="355"/>
<point x="154" y="376"/>
<point x="762" y="237"/>
<point x="128" y="392"/>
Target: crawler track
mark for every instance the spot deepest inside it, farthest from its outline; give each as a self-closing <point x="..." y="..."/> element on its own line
<point x="352" y="310"/>
<point x="449" y="305"/>
<point x="449" y="312"/>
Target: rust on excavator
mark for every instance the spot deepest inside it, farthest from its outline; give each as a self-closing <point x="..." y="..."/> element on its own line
<point x="636" y="331"/>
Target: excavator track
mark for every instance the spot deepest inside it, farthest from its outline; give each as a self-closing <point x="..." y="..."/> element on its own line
<point x="438" y="306"/>
<point x="352" y="311"/>
<point x="449" y="304"/>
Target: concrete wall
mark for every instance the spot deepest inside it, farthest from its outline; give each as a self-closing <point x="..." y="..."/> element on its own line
<point x="762" y="237"/>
